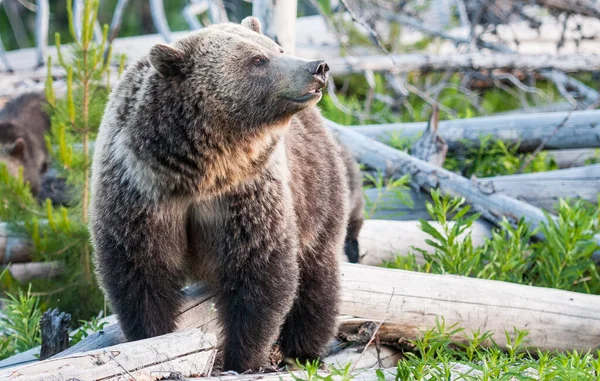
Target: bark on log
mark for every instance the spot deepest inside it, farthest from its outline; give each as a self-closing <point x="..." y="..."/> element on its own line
<point x="55" y="333"/>
<point x="189" y="353"/>
<point x="409" y="302"/>
<point x="493" y="206"/>
<point x="476" y="61"/>
<point x="581" y="130"/>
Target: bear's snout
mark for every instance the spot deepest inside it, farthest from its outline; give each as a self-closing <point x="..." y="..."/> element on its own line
<point x="319" y="70"/>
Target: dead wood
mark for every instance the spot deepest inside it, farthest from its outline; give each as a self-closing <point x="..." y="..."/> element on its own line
<point x="569" y="158"/>
<point x="55" y="333"/>
<point x="408" y="302"/>
<point x="484" y="197"/>
<point x="459" y="62"/>
<point x="379" y="240"/>
<point x="580" y="7"/>
<point x="431" y="147"/>
<point x="189" y="353"/>
<point x="581" y="130"/>
<point x="541" y="189"/>
<point x="26" y="272"/>
<point x="383" y="240"/>
<point x="13" y="249"/>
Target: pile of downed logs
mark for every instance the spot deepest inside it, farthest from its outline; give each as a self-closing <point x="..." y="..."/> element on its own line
<point x="391" y="305"/>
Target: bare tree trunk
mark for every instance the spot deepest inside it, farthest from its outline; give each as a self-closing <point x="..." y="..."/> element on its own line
<point x="278" y="19"/>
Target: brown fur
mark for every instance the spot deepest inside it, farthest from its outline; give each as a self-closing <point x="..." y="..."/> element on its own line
<point x="205" y="169"/>
<point x="23" y="123"/>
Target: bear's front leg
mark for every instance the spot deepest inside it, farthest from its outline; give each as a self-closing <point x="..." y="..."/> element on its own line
<point x="139" y="251"/>
<point x="258" y="272"/>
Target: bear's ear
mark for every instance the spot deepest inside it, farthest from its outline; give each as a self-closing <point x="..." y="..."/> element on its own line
<point x="17" y="148"/>
<point x="166" y="59"/>
<point x="252" y="23"/>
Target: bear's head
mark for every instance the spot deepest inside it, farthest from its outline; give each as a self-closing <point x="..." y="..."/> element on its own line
<point x="239" y="75"/>
<point x="15" y="153"/>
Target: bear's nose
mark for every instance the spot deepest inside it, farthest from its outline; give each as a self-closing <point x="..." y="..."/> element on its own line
<point x="318" y="68"/>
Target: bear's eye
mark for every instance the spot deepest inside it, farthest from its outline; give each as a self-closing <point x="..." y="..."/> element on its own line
<point x="259" y="60"/>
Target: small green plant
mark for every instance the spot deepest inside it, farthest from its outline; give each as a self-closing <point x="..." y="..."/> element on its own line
<point x="451" y="254"/>
<point x="494" y="158"/>
<point x="389" y="193"/>
<point x="87" y="327"/>
<point x="564" y="260"/>
<point x="310" y="371"/>
<point x="20" y="323"/>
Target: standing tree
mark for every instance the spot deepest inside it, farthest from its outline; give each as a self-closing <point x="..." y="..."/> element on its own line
<point x="278" y="20"/>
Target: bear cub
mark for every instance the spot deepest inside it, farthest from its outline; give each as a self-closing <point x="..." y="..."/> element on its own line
<point x="213" y="164"/>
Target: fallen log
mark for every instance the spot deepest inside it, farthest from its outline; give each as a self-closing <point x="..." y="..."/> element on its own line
<point x="541" y="189"/>
<point x="581" y="130"/>
<point x="383" y="240"/>
<point x="569" y="158"/>
<point x="408" y="302"/>
<point x="561" y="80"/>
<point x="26" y="272"/>
<point x="544" y="189"/>
<point x="475" y="61"/>
<point x="361" y="358"/>
<point x="413" y="301"/>
<point x="485" y="199"/>
<point x="13" y="249"/>
<point x="189" y="353"/>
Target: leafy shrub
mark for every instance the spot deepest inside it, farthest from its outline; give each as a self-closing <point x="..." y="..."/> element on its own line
<point x="563" y="260"/>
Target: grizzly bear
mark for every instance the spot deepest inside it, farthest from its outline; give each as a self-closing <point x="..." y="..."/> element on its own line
<point x="23" y="124"/>
<point x="213" y="164"/>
